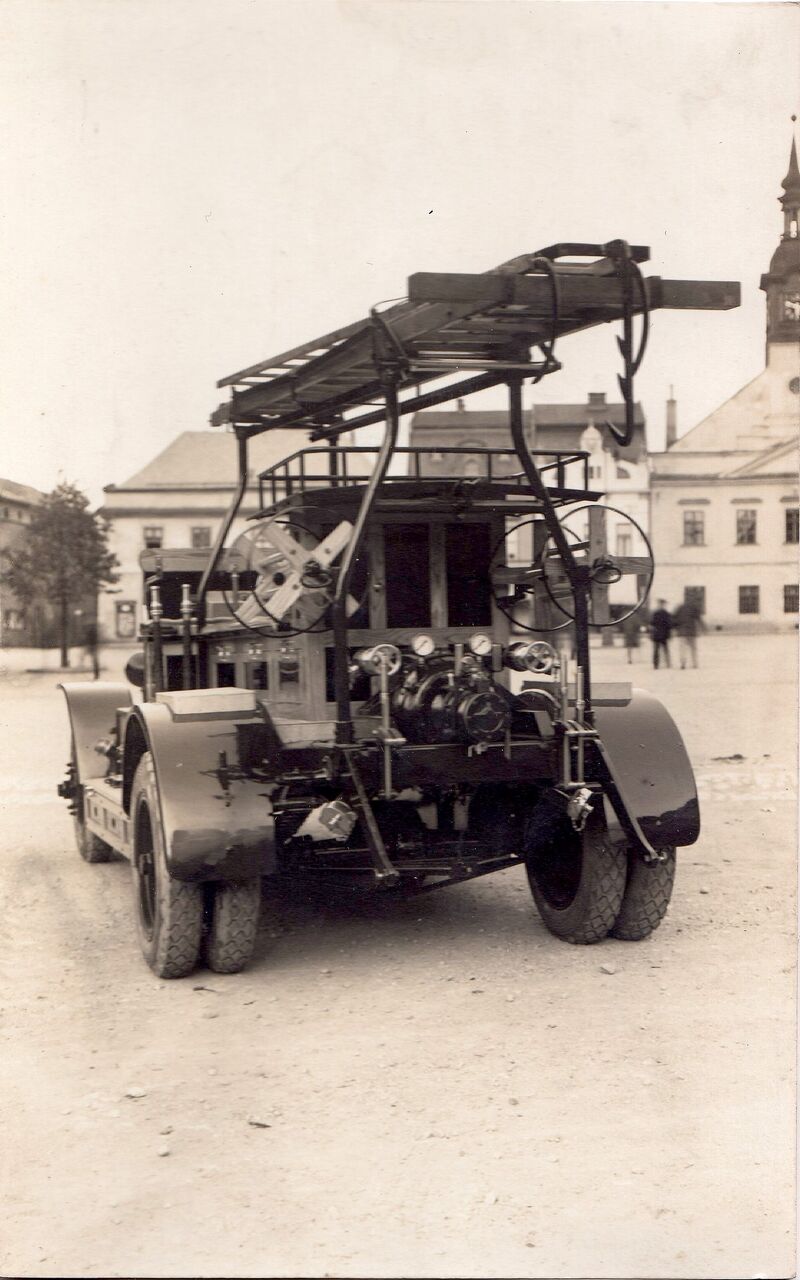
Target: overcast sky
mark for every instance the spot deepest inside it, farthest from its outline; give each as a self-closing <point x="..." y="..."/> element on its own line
<point x="191" y="185"/>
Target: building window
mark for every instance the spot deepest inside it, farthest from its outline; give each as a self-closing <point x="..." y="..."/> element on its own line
<point x="595" y="473"/>
<point x="623" y="473"/>
<point x="791" y="598"/>
<point x="745" y="527"/>
<point x="748" y="600"/>
<point x="695" y="596"/>
<point x="694" y="528"/>
<point x="792" y="516"/>
<point x="201" y="537"/>
<point x="153" y="536"/>
<point x="624" y="542"/>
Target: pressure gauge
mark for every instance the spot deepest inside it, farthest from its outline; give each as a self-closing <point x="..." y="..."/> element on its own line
<point x="480" y="645"/>
<point x="423" y="646"/>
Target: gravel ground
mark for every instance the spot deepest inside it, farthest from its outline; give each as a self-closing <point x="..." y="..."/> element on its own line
<point x="441" y="1088"/>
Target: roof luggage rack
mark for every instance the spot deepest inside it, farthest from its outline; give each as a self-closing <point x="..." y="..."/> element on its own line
<point x="338" y="467"/>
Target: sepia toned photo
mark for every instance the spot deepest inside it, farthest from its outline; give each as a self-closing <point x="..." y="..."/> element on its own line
<point x="399" y="601"/>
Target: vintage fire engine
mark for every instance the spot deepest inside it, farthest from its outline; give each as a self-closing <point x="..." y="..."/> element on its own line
<point x="366" y="686"/>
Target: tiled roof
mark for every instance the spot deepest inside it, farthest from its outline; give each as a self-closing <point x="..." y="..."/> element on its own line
<point x="197" y="459"/>
<point x="14" y="492"/>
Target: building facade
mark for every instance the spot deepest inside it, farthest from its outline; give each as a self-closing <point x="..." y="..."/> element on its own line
<point x="18" y="503"/>
<point x="724" y="498"/>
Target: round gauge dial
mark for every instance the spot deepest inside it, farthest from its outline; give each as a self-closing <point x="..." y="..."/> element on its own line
<point x="423" y="646"/>
<point x="480" y="645"/>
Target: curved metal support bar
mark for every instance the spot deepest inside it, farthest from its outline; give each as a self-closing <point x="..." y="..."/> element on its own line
<point x="213" y="559"/>
<point x="344" y="725"/>
<point x="579" y="580"/>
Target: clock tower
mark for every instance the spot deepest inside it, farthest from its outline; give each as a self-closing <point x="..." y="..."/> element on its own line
<point x="782" y="282"/>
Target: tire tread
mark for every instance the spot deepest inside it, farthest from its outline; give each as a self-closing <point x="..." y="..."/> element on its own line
<point x="647" y="896"/>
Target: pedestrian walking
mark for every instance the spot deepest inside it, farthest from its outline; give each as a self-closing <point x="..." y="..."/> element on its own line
<point x="660" y="631"/>
<point x="630" y="627"/>
<point x="90" y="648"/>
<point x="688" y="622"/>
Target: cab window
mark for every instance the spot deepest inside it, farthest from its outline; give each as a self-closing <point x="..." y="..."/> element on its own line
<point x="468" y="552"/>
<point x="407" y="551"/>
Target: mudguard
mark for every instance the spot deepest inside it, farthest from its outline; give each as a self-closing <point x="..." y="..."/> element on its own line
<point x="92" y="707"/>
<point x="645" y="752"/>
<point x="217" y="826"/>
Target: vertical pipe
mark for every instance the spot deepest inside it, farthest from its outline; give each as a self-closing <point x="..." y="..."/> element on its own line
<point x="576" y="573"/>
<point x="186" y="619"/>
<point x="341" y="658"/>
<point x="563" y="680"/>
<point x="580" y="711"/>
<point x="156" y="613"/>
<point x="386" y="727"/>
<point x="333" y="459"/>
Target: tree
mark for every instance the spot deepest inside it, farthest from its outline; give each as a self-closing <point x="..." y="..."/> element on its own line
<point x="63" y="560"/>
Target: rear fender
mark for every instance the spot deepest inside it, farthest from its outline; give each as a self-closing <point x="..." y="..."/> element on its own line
<point x="92" y="707"/>
<point x="644" y="751"/>
<point x="215" y="827"/>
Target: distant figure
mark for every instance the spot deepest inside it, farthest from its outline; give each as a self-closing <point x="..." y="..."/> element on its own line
<point x="630" y="634"/>
<point x="688" y="622"/>
<point x="661" y="630"/>
<point x="90" y="648"/>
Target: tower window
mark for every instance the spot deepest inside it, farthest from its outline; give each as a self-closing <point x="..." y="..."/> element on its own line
<point x="745" y="527"/>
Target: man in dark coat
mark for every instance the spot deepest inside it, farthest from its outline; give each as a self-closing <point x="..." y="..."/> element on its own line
<point x="661" y="630"/>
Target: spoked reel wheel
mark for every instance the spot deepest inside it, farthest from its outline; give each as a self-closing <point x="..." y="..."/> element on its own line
<point x="536" y="585"/>
<point x="517" y="581"/>
<point x="585" y="530"/>
<point x="295" y="583"/>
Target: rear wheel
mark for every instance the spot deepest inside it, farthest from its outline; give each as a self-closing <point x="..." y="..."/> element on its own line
<point x="232" y="925"/>
<point x="647" y="894"/>
<point x="577" y="877"/>
<point x="169" y="913"/>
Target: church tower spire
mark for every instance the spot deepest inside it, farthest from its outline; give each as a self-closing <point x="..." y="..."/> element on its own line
<point x="782" y="282"/>
<point x="791" y="197"/>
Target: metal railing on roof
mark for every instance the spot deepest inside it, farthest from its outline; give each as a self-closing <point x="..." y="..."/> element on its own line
<point x="336" y="468"/>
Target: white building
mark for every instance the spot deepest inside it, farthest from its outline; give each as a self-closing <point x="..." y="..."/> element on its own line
<point x="725" y="509"/>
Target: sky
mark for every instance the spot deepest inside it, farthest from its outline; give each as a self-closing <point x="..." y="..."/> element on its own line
<point x="189" y="186"/>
